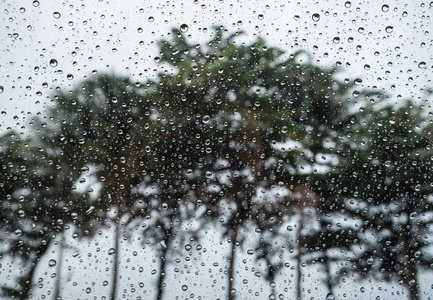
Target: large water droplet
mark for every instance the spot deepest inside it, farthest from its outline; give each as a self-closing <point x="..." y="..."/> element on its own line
<point x="56" y="15"/>
<point x="315" y="17"/>
<point x="52" y="262"/>
<point x="53" y="62"/>
<point x="389" y="29"/>
<point x="330" y="296"/>
<point x="184" y="27"/>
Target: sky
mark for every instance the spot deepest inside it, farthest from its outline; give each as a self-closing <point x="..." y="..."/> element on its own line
<point x="52" y="45"/>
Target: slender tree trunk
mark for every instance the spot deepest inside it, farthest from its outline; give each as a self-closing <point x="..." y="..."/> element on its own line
<point x="27" y="279"/>
<point x="56" y="294"/>
<point x="116" y="255"/>
<point x="232" y="257"/>
<point x="300" y="252"/>
<point x="411" y="271"/>
<point x="327" y="265"/>
<point x="163" y="262"/>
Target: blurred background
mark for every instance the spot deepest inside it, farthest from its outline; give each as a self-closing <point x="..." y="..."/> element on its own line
<point x="233" y="150"/>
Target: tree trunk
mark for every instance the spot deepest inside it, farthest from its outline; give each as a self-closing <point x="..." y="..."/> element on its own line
<point x="27" y="279"/>
<point x="327" y="265"/>
<point x="232" y="257"/>
<point x="412" y="280"/>
<point x="163" y="262"/>
<point x="116" y="255"/>
<point x="300" y="252"/>
<point x="410" y="267"/>
<point x="56" y="294"/>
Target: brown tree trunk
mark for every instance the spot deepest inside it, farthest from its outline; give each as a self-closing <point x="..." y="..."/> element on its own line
<point x="27" y="279"/>
<point x="232" y="257"/>
<point x="300" y="252"/>
<point x="163" y="262"/>
<point x="56" y="294"/>
<point x="116" y="255"/>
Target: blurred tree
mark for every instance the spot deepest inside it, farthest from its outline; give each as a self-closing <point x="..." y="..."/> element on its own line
<point x="387" y="186"/>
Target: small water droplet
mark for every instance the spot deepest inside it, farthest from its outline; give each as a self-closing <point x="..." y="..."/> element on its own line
<point x="53" y="62"/>
<point x="422" y="65"/>
<point x="284" y="129"/>
<point x="184" y="27"/>
<point x="56" y="15"/>
<point x="2" y="89"/>
<point x="111" y="251"/>
<point x="330" y="296"/>
<point x="261" y="17"/>
<point x="389" y="29"/>
<point x="22" y="10"/>
<point x="151" y="19"/>
<point x="370" y="260"/>
<point x="336" y="40"/>
<point x="36" y="3"/>
<point x="184" y="287"/>
<point x="188" y="247"/>
<point x="70" y="76"/>
<point x="52" y="262"/>
<point x="315" y="17"/>
<point x="164" y="206"/>
<point x="206" y="119"/>
<point x="347" y="4"/>
<point x="250" y="251"/>
<point x="385" y="7"/>
<point x="157" y="59"/>
<point x="296" y="17"/>
<point x="88" y="290"/>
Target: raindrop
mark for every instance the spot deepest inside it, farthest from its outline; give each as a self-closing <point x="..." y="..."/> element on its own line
<point x="336" y="40"/>
<point x="422" y="65"/>
<point x="316" y="17"/>
<point x="157" y="59"/>
<point x="184" y="287"/>
<point x="348" y="4"/>
<point x="74" y="216"/>
<point x="22" y="10"/>
<point x="164" y="206"/>
<point x="56" y="15"/>
<point x="140" y="30"/>
<point x="188" y="247"/>
<point x="105" y="283"/>
<point x="358" y="81"/>
<point x="53" y="62"/>
<point x="70" y="76"/>
<point x="261" y="17"/>
<point x="52" y="262"/>
<point x="385" y="8"/>
<point x="18" y="232"/>
<point x="284" y="129"/>
<point x="88" y="290"/>
<point x="296" y="17"/>
<point x="1" y="89"/>
<point x="389" y="29"/>
<point x="36" y="3"/>
<point x="250" y="251"/>
<point x="206" y="119"/>
<point x="151" y="19"/>
<point x="111" y="251"/>
<point x="370" y="260"/>
<point x="184" y="28"/>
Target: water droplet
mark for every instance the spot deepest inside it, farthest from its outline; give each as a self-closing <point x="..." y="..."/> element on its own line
<point x="233" y="291"/>
<point x="336" y="40"/>
<point x="330" y="296"/>
<point x="261" y="17"/>
<point x="88" y="290"/>
<point x="184" y="287"/>
<point x="22" y="10"/>
<point x="111" y="251"/>
<point x="358" y="81"/>
<point x="70" y="76"/>
<point x="18" y="232"/>
<point x="1" y="89"/>
<point x="347" y="4"/>
<point x="296" y="17"/>
<point x="370" y="260"/>
<point x="36" y="3"/>
<point x="53" y="62"/>
<point x="206" y="119"/>
<point x="151" y="19"/>
<point x="422" y="65"/>
<point x="315" y="17"/>
<point x="105" y="283"/>
<point x="250" y="251"/>
<point x="157" y="59"/>
<point x="140" y="30"/>
<point x="164" y="206"/>
<point x="163" y="245"/>
<point x="188" y="247"/>
<point x="56" y="15"/>
<point x="284" y="129"/>
<point x="184" y="27"/>
<point x="389" y="29"/>
<point x="385" y="7"/>
<point x="52" y="262"/>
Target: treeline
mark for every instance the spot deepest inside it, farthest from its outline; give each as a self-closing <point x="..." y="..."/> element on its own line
<point x="243" y="137"/>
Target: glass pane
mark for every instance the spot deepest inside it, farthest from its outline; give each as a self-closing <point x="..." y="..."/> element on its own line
<point x="216" y="150"/>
